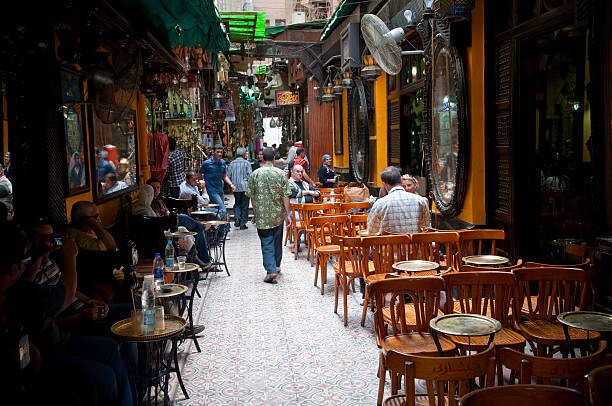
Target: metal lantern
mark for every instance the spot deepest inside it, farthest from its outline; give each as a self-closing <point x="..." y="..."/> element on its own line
<point x="347" y="79"/>
<point x="370" y="72"/>
<point x="338" y="89"/>
<point x="328" y="94"/>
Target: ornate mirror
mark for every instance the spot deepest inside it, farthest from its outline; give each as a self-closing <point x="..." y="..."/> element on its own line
<point x="446" y="124"/>
<point x="359" y="134"/>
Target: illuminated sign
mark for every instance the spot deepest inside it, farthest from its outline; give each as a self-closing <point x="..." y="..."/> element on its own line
<point x="287" y="98"/>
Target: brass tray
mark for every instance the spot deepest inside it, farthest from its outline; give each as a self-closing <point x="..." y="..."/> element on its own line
<point x="201" y="212"/>
<point x="485" y="260"/>
<point x="586" y="320"/>
<point x="215" y="222"/>
<point x="126" y="330"/>
<point x="170" y="290"/>
<point x="180" y="234"/>
<point x="465" y="324"/>
<point x="415" y="265"/>
<point x="211" y="205"/>
<point x="188" y="268"/>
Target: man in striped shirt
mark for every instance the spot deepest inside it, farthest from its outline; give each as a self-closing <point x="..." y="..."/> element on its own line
<point x="176" y="168"/>
<point x="239" y="172"/>
<point x="398" y="212"/>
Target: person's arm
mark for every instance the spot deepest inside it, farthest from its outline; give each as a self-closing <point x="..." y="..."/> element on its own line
<point x="103" y="235"/>
<point x="287" y="211"/>
<point x="307" y="179"/>
<point x="227" y="180"/>
<point x="68" y="278"/>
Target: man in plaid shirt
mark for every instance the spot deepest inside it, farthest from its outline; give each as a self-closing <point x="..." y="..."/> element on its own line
<point x="176" y="168"/>
<point x="399" y="212"/>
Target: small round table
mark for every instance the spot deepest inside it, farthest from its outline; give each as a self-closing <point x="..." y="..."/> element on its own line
<point x="181" y="234"/>
<point x="201" y="212"/>
<point x="584" y="320"/>
<point x="189" y="267"/>
<point x="413" y="266"/>
<point x="486" y="260"/>
<point x="157" y="365"/>
<point x="215" y="235"/>
<point x="463" y="324"/>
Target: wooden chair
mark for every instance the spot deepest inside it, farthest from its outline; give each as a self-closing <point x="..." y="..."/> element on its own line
<point x="395" y="335"/>
<point x="487" y="293"/>
<point x="600" y="384"/>
<point x="442" y="388"/>
<point x="569" y="372"/>
<point x="385" y="250"/>
<point x="181" y="205"/>
<point x="310" y="210"/>
<point x="347" y="269"/>
<point x="430" y="245"/>
<point x="480" y="241"/>
<point x="357" y="222"/>
<point x="323" y="228"/>
<point x="524" y="395"/>
<point x="296" y="228"/>
<point x="355" y="207"/>
<point x="558" y="291"/>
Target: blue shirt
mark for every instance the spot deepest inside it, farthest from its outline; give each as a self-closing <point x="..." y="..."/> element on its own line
<point x="213" y="173"/>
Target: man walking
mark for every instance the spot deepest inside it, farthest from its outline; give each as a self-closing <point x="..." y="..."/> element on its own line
<point x="239" y="173"/>
<point x="269" y="191"/>
<point x="214" y="173"/>
<point x="176" y="168"/>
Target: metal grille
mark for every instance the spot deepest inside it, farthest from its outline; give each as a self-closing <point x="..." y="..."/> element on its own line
<point x="504" y="186"/>
<point x="503" y="128"/>
<point x="503" y="72"/>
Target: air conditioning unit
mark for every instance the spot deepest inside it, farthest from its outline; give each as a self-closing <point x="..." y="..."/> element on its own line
<point x="298" y="17"/>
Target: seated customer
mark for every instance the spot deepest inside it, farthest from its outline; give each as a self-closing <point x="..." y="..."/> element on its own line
<point x="158" y="207"/>
<point x="86" y="228"/>
<point x="66" y="354"/>
<point x="189" y="187"/>
<point x="301" y="191"/>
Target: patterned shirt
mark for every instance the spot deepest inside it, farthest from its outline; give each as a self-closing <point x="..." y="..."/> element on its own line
<point x="398" y="212"/>
<point x="239" y="172"/>
<point x="176" y="167"/>
<point x="48" y="274"/>
<point x="268" y="186"/>
<point x="213" y="173"/>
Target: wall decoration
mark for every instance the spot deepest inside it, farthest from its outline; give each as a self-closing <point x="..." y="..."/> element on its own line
<point x="78" y="172"/>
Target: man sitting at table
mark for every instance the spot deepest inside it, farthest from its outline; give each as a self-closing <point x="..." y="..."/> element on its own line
<point x="158" y="208"/>
<point x="189" y="187"/>
<point x="399" y="212"/>
<point x="301" y="191"/>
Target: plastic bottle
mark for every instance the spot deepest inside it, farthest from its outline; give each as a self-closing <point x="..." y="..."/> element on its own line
<point x="158" y="271"/>
<point x="332" y="196"/>
<point x="169" y="254"/>
<point x="148" y="303"/>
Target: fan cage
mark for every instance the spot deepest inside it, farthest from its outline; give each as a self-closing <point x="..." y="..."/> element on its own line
<point x="454" y="9"/>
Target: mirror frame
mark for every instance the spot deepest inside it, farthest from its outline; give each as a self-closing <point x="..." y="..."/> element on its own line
<point x="439" y="35"/>
<point x="98" y="195"/>
<point x="359" y="132"/>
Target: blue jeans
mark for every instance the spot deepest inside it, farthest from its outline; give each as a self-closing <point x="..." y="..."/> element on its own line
<point x="241" y="208"/>
<point x="271" y="240"/>
<point x="98" y="358"/>
<point x="194" y="225"/>
<point x="217" y="198"/>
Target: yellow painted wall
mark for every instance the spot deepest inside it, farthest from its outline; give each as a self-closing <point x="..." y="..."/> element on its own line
<point x="380" y="114"/>
<point x="474" y="205"/>
<point x="342" y="160"/>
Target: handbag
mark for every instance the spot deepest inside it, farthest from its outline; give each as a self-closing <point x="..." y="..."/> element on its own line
<point x="357" y="193"/>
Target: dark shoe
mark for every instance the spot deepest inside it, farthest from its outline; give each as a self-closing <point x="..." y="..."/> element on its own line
<point x="197" y="329"/>
<point x="243" y="227"/>
<point x="236" y="224"/>
<point x="271" y="278"/>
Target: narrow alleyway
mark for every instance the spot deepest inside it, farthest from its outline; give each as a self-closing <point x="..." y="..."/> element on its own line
<point x="275" y="344"/>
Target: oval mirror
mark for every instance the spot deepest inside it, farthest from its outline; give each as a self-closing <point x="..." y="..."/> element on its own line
<point x="359" y="134"/>
<point x="446" y="139"/>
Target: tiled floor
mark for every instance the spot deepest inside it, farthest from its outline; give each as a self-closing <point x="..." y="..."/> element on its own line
<point x="275" y="344"/>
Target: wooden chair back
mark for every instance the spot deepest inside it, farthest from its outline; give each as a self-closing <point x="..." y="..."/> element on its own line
<point x="569" y="372"/>
<point x="357" y="222"/>
<point x="447" y="387"/>
<point x="600" y="384"/>
<point x="337" y="190"/>
<point x="351" y="254"/>
<point x="488" y="293"/>
<point x="557" y="290"/>
<point x="524" y="395"/>
<point x="324" y="227"/>
<point x="480" y="241"/>
<point x="424" y="291"/>
<point x="438" y="246"/>
<point x="385" y="250"/>
<point x="181" y="205"/>
<point x="355" y="207"/>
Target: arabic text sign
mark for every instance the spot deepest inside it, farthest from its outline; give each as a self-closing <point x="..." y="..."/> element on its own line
<point x="287" y="98"/>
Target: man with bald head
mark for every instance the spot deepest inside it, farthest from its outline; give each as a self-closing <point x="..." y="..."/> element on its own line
<point x="86" y="228"/>
<point x="301" y="191"/>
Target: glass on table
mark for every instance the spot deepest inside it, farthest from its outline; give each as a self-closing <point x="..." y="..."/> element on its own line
<point x="181" y="259"/>
<point x="160" y="323"/>
<point x="137" y="321"/>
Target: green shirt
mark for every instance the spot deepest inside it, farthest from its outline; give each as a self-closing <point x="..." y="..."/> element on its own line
<point x="268" y="186"/>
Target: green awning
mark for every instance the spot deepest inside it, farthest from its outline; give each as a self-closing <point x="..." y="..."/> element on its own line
<point x="344" y="9"/>
<point x="245" y="26"/>
<point x="183" y="23"/>
<point x="310" y="25"/>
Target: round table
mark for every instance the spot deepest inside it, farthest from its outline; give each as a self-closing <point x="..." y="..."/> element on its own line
<point x="413" y="266"/>
<point x="486" y="260"/>
<point x="463" y="324"/>
<point x="154" y="371"/>
<point x="170" y="290"/>
<point x="189" y="266"/>
<point x="181" y="234"/>
<point x="201" y="212"/>
<point x="584" y="320"/>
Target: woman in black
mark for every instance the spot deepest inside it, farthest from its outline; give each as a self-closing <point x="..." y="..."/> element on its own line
<point x="326" y="173"/>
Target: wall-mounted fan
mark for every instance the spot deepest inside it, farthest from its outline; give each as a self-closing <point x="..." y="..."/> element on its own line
<point x="116" y="83"/>
<point x="383" y="43"/>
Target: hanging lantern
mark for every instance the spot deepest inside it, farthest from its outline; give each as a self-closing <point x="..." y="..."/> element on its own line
<point x="328" y="94"/>
<point x="272" y="123"/>
<point x="347" y="79"/>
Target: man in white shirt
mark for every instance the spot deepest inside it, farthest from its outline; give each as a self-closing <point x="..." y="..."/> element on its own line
<point x="189" y="187"/>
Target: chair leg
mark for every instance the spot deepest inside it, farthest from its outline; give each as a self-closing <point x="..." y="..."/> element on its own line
<point x="366" y="299"/>
<point x="323" y="264"/>
<point x="345" y="299"/>
<point x="316" y="269"/>
<point x="336" y="293"/>
<point x="382" y="373"/>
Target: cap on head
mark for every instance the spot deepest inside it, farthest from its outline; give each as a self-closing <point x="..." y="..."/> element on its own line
<point x="326" y="156"/>
<point x="297" y="143"/>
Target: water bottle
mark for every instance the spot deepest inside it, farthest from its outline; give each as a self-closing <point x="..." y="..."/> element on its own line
<point x="158" y="271"/>
<point x="169" y="255"/>
<point x="148" y="303"/>
<point x="332" y="196"/>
